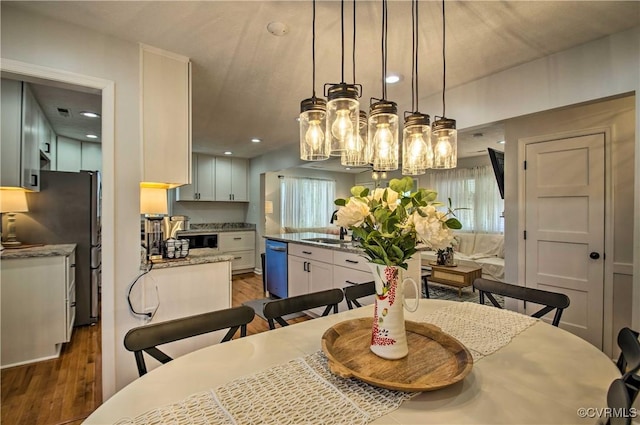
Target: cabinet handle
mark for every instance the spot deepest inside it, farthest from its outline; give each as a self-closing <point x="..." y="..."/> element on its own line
<point x="304" y="266"/>
<point x="47" y="148"/>
<point x="307" y="252"/>
<point x="72" y="265"/>
<point x="352" y="261"/>
<point x="237" y="239"/>
<point x="73" y="304"/>
<point x="233" y="196"/>
<point x="237" y="258"/>
<point x="34" y="180"/>
<point x="308" y="267"/>
<point x="351" y="283"/>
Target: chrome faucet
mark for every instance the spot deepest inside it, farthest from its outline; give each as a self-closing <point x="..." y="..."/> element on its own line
<point x="343" y="231"/>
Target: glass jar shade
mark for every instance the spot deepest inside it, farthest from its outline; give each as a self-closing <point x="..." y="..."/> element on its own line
<point x="417" y="153"/>
<point x="445" y="146"/>
<point x="342" y="123"/>
<point x="383" y="140"/>
<point x="357" y="152"/>
<point x="314" y="145"/>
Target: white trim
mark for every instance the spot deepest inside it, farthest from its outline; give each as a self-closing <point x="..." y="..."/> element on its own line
<point x="607" y="296"/>
<point x="108" y="199"/>
<point x="623" y="268"/>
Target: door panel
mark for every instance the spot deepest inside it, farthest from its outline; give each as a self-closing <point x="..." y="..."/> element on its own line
<point x="564" y="190"/>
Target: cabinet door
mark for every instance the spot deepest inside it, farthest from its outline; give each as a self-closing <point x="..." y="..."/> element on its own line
<point x="69" y="154"/>
<point x="206" y="166"/>
<point x="236" y="241"/>
<point x="91" y="156"/>
<point x="320" y="279"/>
<point x="223" y="179"/>
<point x="188" y="192"/>
<point x="165" y="117"/>
<point x="239" y="187"/>
<point x="345" y="276"/>
<point x="298" y="276"/>
<point x="11" y="130"/>
<point x="30" y="141"/>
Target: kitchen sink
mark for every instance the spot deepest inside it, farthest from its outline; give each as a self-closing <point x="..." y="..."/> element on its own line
<point x="326" y="240"/>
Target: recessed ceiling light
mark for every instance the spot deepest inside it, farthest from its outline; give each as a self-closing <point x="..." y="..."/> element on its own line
<point x="501" y="142"/>
<point x="90" y="114"/>
<point x="228" y="153"/>
<point x="478" y="134"/>
<point x="347" y="168"/>
<point x="256" y="140"/>
<point x="392" y="79"/>
<point x="91" y="136"/>
<point x="277" y="28"/>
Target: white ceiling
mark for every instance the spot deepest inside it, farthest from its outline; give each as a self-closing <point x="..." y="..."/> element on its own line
<point x="249" y="83"/>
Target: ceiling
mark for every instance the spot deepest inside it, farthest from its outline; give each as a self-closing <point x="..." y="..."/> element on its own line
<point x="248" y="83"/>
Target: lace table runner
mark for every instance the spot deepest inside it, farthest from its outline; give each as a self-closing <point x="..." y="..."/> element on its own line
<point x="482" y="329"/>
<point x="304" y="391"/>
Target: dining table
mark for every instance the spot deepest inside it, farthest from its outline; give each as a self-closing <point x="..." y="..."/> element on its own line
<point x="524" y="371"/>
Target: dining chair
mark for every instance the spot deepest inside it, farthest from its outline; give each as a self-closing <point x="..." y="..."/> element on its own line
<point x="354" y="292"/>
<point x="619" y="404"/>
<point x="550" y="300"/>
<point x="629" y="360"/>
<point x="425" y="274"/>
<point x="274" y="311"/>
<point x="146" y="338"/>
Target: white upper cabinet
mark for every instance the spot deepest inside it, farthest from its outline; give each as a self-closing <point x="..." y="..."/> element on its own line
<point x="231" y="179"/>
<point x="20" y="142"/>
<point x="202" y="185"/>
<point x="165" y="85"/>
<point x="75" y="155"/>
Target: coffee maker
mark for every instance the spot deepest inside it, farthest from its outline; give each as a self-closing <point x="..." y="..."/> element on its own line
<point x="154" y="237"/>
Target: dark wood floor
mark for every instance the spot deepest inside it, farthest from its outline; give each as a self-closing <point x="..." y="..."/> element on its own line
<point x="67" y="389"/>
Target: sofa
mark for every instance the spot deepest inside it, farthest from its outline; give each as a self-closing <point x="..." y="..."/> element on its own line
<point x="485" y="250"/>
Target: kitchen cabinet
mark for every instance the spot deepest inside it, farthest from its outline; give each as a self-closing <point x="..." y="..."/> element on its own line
<point x="351" y="269"/>
<point x="48" y="146"/>
<point x="20" y="142"/>
<point x="231" y="179"/>
<point x="310" y="270"/>
<point x="75" y="155"/>
<point x="175" y="292"/>
<point x="165" y="85"/>
<point x="242" y="246"/>
<point x="202" y="187"/>
<point x="38" y="307"/>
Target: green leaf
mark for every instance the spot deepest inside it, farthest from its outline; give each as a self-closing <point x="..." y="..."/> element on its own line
<point x="453" y="223"/>
<point x="340" y="202"/>
<point x="358" y="190"/>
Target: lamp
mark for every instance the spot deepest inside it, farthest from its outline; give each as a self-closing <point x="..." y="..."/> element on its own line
<point x="417" y="155"/>
<point x="444" y="134"/>
<point x="357" y="152"/>
<point x="268" y="207"/>
<point x="383" y="117"/>
<point x="153" y="201"/>
<point x="11" y="202"/>
<point x="314" y="145"/>
<point x="343" y="108"/>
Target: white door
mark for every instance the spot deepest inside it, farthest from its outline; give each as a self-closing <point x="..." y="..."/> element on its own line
<point x="564" y="189"/>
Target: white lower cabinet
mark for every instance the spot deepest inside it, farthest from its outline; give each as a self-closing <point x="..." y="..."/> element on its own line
<point x="310" y="270"/>
<point x="242" y="245"/>
<point x="38" y="307"/>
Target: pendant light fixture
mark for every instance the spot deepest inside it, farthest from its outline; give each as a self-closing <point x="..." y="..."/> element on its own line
<point x="356" y="153"/>
<point x="444" y="134"/>
<point x="343" y="107"/>
<point x="383" y="117"/>
<point x="314" y="144"/>
<point x="417" y="155"/>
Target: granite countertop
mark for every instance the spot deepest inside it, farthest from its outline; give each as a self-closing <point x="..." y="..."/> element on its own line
<point x="196" y="256"/>
<point x="38" y="251"/>
<point x="198" y="228"/>
<point x="323" y="240"/>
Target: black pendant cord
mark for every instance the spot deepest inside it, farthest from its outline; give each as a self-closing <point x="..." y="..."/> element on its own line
<point x="444" y="63"/>
<point x="353" y="51"/>
<point x="313" y="47"/>
<point x="414" y="58"/>
<point x="384" y="49"/>
<point x="342" y="34"/>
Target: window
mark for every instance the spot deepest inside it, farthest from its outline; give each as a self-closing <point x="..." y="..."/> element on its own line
<point x="306" y="202"/>
<point x="473" y="188"/>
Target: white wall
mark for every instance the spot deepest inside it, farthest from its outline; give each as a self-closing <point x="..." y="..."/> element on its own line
<point x="40" y="41"/>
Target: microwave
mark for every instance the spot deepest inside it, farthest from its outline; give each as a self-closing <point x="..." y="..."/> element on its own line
<point x="200" y="239"/>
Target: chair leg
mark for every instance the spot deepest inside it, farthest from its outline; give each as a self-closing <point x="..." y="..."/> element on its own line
<point x="425" y="283"/>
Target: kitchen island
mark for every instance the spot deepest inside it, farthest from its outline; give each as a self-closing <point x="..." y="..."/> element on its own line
<point x="318" y="261"/>
<point x="38" y="293"/>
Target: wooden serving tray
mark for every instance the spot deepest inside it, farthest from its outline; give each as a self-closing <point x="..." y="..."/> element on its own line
<point x="435" y="359"/>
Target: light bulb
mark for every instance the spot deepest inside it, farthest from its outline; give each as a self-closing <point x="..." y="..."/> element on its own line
<point x="417" y="146"/>
<point x="443" y="147"/>
<point x="342" y="126"/>
<point x="314" y="135"/>
<point x="382" y="140"/>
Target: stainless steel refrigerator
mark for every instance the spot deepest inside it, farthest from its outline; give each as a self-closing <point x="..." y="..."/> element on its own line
<point x="67" y="210"/>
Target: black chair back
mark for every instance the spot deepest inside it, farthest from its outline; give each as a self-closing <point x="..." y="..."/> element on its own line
<point x="146" y="338"/>
<point x="354" y="292"/>
<point x="274" y="311"/>
<point x="619" y="404"/>
<point x="550" y="300"/>
<point x="629" y="361"/>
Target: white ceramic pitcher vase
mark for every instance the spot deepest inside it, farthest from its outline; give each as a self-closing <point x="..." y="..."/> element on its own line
<point x="388" y="335"/>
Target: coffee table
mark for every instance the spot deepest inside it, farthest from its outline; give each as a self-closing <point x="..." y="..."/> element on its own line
<point x="458" y="276"/>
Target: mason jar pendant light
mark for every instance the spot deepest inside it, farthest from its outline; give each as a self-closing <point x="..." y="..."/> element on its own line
<point x="417" y="155"/>
<point x="314" y="145"/>
<point x="444" y="134"/>
<point x="343" y="108"/>
<point x="383" y="117"/>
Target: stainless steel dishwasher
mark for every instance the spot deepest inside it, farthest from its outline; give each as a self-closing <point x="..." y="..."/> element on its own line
<point x="276" y="264"/>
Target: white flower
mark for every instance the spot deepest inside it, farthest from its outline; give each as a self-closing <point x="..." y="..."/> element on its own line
<point x="392" y="197"/>
<point x="431" y="229"/>
<point x="352" y="214"/>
